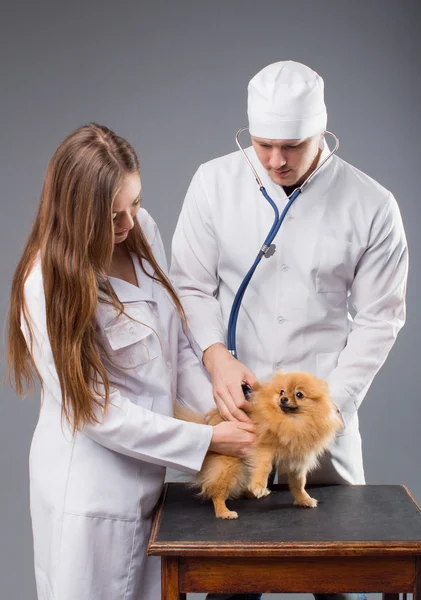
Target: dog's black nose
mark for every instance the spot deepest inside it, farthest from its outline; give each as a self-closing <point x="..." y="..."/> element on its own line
<point x="284" y="400"/>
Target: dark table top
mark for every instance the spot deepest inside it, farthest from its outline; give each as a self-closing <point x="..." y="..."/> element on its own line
<point x="348" y="520"/>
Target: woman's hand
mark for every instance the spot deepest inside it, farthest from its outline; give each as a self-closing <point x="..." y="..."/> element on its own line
<point x="233" y="438"/>
<point x="228" y="374"/>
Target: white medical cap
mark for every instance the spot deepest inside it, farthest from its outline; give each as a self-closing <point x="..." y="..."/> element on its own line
<point x="285" y="102"/>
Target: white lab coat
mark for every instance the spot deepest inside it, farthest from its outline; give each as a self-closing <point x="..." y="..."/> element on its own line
<point x="342" y="246"/>
<point x="92" y="496"/>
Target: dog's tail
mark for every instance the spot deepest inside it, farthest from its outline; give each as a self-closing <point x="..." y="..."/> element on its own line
<point x="185" y="413"/>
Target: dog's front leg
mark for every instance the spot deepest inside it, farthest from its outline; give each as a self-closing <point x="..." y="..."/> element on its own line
<point x="260" y="471"/>
<point x="297" y="482"/>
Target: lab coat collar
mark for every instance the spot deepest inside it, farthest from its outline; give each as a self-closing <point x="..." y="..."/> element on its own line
<point x="127" y="292"/>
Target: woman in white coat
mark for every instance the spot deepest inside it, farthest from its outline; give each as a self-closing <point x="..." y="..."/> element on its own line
<point x="95" y="316"/>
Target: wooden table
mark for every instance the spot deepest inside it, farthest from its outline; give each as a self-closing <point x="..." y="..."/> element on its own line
<point x="359" y="539"/>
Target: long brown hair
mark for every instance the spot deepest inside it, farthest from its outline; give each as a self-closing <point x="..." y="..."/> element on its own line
<point x="73" y="235"/>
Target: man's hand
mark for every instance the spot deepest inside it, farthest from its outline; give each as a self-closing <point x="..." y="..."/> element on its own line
<point x="228" y="374"/>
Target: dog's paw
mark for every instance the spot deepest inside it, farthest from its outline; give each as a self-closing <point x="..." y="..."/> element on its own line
<point x="259" y="491"/>
<point x="229" y="514"/>
<point x="307" y="502"/>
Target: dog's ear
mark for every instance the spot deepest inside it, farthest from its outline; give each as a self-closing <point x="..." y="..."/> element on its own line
<point x="279" y="378"/>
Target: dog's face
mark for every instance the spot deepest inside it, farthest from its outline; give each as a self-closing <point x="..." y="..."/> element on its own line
<point x="295" y="394"/>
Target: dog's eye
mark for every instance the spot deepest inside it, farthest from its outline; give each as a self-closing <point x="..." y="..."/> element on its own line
<point x="299" y="395"/>
<point x="282" y="393"/>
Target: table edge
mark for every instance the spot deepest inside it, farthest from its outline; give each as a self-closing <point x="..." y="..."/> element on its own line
<point x="284" y="549"/>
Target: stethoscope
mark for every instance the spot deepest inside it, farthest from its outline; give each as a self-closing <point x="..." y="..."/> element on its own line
<point x="235" y="309"/>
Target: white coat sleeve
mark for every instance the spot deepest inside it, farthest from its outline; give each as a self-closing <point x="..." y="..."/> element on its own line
<point x="193" y="384"/>
<point x="378" y="297"/>
<point x="126" y="428"/>
<point x="194" y="267"/>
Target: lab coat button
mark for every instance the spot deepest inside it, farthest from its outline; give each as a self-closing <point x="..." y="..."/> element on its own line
<point x="132" y="330"/>
<point x="284" y="267"/>
<point x="278" y="366"/>
<point x="281" y="320"/>
<point x="169" y="364"/>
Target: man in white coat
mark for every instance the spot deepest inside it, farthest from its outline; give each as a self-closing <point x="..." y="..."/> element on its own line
<point x="331" y="299"/>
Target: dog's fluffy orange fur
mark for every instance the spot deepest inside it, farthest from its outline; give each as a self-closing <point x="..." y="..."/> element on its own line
<point x="295" y="420"/>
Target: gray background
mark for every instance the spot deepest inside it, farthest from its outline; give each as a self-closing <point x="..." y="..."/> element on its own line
<point x="172" y="77"/>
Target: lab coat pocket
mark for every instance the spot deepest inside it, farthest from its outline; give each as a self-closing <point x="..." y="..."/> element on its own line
<point x="96" y="557"/>
<point x="133" y="344"/>
<point x="335" y="265"/>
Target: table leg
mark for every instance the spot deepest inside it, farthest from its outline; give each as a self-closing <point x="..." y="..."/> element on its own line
<point x="417" y="587"/>
<point x="169" y="579"/>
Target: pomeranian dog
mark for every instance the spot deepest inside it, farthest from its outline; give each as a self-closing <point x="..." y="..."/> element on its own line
<point x="296" y="420"/>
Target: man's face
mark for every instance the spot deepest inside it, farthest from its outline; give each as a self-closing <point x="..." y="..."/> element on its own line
<point x="288" y="161"/>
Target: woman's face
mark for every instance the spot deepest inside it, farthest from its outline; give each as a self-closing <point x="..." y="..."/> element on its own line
<point x="125" y="206"/>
